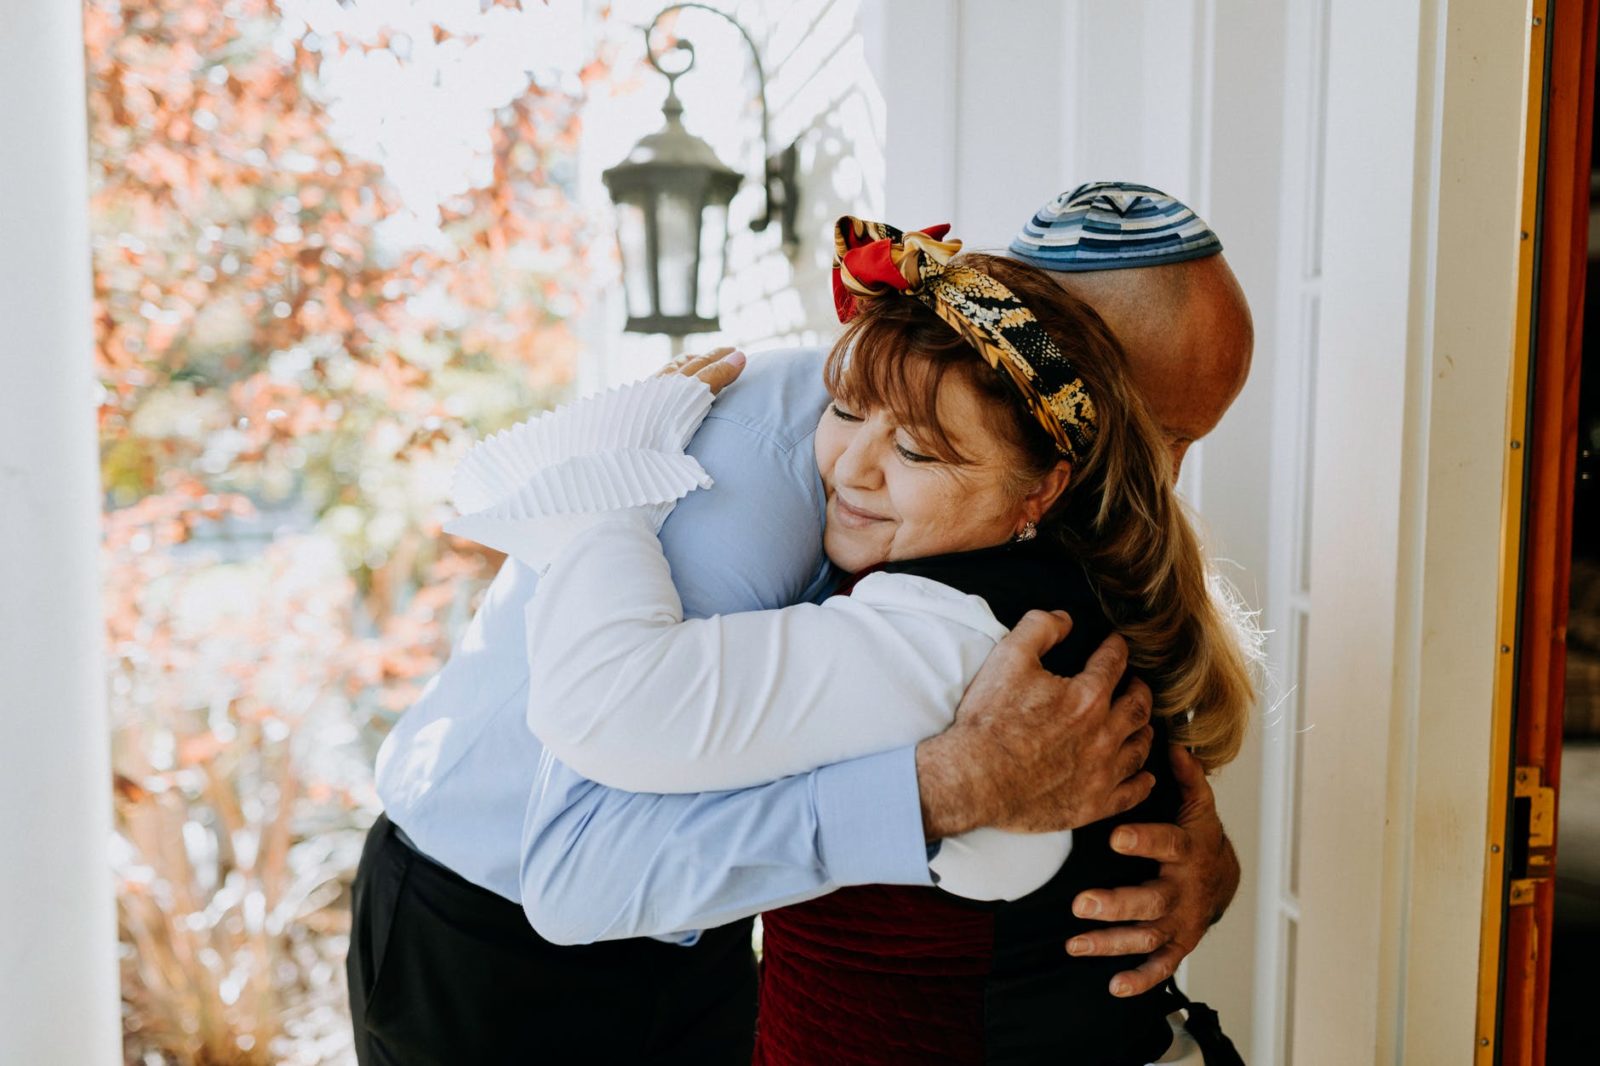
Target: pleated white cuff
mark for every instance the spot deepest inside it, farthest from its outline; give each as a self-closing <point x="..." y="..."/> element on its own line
<point x="530" y="490"/>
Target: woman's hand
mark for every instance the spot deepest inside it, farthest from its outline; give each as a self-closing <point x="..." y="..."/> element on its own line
<point x="718" y="368"/>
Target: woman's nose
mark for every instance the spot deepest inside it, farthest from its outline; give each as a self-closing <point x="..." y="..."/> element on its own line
<point x="860" y="465"/>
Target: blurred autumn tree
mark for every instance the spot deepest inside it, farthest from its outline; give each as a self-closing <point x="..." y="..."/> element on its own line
<point x="282" y="399"/>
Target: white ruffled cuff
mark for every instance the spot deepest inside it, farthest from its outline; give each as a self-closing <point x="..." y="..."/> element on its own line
<point x="529" y="490"/>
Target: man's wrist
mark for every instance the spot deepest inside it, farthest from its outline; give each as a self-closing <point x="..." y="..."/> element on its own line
<point x="1228" y="886"/>
<point x="945" y="792"/>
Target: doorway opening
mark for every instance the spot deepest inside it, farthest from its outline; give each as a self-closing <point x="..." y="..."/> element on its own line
<point x="1576" y="927"/>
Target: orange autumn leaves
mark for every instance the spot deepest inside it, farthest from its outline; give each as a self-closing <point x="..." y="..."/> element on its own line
<point x="283" y="392"/>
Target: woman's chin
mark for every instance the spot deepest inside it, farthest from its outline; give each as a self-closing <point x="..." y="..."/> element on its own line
<point x="849" y="555"/>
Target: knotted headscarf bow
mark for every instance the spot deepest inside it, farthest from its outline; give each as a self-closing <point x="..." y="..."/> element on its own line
<point x="873" y="260"/>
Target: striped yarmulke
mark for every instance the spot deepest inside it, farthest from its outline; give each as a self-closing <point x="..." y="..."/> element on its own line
<point x="1113" y="225"/>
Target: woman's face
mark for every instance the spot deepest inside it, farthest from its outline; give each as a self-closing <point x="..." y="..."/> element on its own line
<point x="889" y="498"/>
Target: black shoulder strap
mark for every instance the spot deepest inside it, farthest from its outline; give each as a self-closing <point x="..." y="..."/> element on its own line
<point x="1205" y="1027"/>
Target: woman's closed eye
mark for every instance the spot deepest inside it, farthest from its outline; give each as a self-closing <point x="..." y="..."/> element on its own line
<point x="913" y="457"/>
<point x="905" y="453"/>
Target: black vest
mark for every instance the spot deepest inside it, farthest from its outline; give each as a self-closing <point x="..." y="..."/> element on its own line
<point x="1041" y="1004"/>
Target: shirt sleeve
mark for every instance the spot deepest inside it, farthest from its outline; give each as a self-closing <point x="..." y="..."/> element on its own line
<point x="531" y="489"/>
<point x="601" y="864"/>
<point x="754" y="540"/>
<point x="676" y="862"/>
<point x="635" y="696"/>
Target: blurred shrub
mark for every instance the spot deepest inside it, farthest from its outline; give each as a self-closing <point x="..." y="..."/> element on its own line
<point x="283" y="396"/>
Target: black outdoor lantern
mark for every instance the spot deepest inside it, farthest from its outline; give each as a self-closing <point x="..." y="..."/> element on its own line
<point x="672" y="195"/>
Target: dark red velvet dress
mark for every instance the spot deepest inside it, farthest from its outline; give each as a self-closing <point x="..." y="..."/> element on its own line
<point x="894" y="975"/>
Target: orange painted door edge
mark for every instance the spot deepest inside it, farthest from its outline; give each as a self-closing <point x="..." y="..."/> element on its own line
<point x="1487" y="1030"/>
<point x="1537" y="531"/>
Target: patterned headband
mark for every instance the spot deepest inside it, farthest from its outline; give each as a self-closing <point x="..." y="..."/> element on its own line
<point x="873" y="259"/>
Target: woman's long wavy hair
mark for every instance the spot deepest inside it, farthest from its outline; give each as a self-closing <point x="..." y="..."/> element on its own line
<point x="1120" y="516"/>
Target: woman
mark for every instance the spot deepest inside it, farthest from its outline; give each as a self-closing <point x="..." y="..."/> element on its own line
<point x="984" y="456"/>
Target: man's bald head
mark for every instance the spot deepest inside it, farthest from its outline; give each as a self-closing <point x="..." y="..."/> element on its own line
<point x="1154" y="270"/>
<point x="1188" y="334"/>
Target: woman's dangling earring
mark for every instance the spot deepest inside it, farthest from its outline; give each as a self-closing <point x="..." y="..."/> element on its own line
<point x="1028" y="532"/>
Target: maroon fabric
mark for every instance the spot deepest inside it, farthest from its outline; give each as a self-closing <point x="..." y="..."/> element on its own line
<point x="878" y="974"/>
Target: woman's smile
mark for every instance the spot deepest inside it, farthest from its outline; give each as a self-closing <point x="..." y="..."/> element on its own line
<point x="853" y="517"/>
<point x="888" y="499"/>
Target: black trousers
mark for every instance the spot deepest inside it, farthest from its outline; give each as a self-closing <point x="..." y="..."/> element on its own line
<point x="442" y="971"/>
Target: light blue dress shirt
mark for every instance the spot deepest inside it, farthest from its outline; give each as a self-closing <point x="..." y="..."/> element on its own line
<point x="467" y="783"/>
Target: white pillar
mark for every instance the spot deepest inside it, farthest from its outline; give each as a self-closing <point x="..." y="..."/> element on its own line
<point x="58" y="978"/>
<point x="1416" y="333"/>
<point x="919" y="86"/>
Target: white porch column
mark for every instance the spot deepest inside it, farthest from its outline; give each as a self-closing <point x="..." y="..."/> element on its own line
<point x="58" y="980"/>
<point x="1423" y="175"/>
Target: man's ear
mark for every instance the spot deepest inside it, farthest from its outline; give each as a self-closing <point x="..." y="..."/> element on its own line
<point x="1037" y="503"/>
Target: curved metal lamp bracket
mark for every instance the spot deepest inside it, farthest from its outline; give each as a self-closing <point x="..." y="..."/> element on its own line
<point x="780" y="183"/>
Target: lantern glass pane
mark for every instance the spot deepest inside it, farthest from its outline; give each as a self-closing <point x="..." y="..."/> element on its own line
<point x="677" y="226"/>
<point x="713" y="242"/>
<point x="635" y="247"/>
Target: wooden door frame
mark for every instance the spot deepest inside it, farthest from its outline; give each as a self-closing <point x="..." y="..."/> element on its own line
<point x="1537" y="527"/>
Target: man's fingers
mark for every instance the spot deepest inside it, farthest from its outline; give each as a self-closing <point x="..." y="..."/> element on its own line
<point x="1134" y="751"/>
<point x="1149" y="902"/>
<point x="722" y="372"/>
<point x="1150" y="973"/>
<point x="1039" y="631"/>
<point x="1160" y="841"/>
<point x="1133" y="706"/>
<point x="1187" y="769"/>
<point x="1106" y="665"/>
<point x="1130" y="793"/>
<point x="1119" y="940"/>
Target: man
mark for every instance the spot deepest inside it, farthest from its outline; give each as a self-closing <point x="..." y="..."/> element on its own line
<point x="443" y="965"/>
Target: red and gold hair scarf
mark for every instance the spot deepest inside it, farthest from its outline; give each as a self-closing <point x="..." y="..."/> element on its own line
<point x="873" y="260"/>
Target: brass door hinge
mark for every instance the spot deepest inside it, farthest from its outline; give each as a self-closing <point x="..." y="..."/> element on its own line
<point x="1532" y="833"/>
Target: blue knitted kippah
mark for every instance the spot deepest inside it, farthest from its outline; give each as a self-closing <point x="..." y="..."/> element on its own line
<point x="1113" y="225"/>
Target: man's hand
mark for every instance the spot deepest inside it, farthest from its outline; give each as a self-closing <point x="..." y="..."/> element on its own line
<point x="1199" y="875"/>
<point x="1030" y="751"/>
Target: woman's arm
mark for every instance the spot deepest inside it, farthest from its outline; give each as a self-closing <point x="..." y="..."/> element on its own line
<point x="635" y="697"/>
<point x="629" y="694"/>
<point x="515" y="503"/>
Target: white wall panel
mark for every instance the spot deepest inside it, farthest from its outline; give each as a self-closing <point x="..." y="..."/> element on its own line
<point x="1007" y="147"/>
<point x="1420" y="235"/>
<point x="57" y="920"/>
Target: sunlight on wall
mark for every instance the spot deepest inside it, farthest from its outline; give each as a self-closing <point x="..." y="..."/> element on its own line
<point x="822" y="98"/>
<point x="418" y="107"/>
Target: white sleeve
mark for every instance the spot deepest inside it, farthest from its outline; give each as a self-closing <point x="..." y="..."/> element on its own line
<point x="530" y="490"/>
<point x="631" y="695"/>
